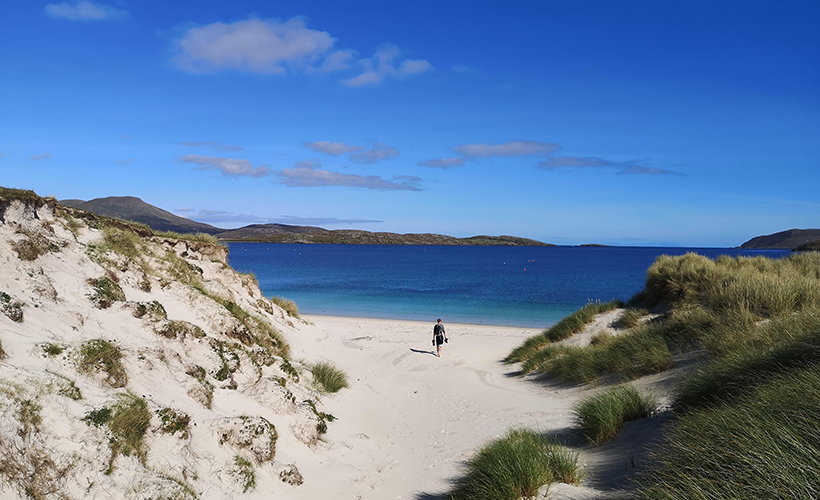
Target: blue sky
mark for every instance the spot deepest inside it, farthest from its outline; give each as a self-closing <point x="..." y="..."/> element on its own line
<point x="635" y="123"/>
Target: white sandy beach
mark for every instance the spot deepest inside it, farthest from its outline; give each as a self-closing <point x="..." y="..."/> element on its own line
<point x="403" y="428"/>
<point x="409" y="418"/>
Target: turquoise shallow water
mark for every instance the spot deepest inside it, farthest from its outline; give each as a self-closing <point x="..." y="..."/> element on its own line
<point x="513" y="286"/>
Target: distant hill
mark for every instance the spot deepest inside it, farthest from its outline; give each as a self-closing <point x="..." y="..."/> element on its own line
<point x="809" y="247"/>
<point x="281" y="233"/>
<point x="792" y="238"/>
<point x="136" y="210"/>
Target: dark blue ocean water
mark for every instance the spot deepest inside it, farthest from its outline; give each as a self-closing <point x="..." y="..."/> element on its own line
<point x="515" y="286"/>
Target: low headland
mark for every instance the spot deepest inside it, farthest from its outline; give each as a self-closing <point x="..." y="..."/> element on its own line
<point x="137" y="364"/>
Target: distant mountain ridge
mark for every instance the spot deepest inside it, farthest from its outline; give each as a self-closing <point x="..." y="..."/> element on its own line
<point x="134" y="209"/>
<point x="788" y="240"/>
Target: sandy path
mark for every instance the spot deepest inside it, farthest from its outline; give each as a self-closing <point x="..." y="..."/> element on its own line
<point x="410" y="418"/>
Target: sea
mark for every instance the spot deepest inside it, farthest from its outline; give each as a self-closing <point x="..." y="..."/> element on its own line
<point x="530" y="287"/>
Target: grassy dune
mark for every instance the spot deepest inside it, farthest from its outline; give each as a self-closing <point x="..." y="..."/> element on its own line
<point x="746" y="422"/>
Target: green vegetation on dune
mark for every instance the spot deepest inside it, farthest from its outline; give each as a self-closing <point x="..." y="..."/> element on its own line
<point x="565" y="328"/>
<point x="328" y="377"/>
<point x="600" y="417"/>
<point x="764" y="446"/>
<point x="745" y="422"/>
<point x="516" y="466"/>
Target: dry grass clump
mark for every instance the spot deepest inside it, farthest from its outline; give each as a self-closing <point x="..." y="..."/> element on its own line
<point x="516" y="466"/>
<point x="106" y="291"/>
<point x="12" y="308"/>
<point x="244" y="473"/>
<point x="288" y="305"/>
<point x="100" y="355"/>
<point x="600" y="417"/>
<point x="181" y="329"/>
<point x="33" y="246"/>
<point x="195" y="237"/>
<point x="173" y="421"/>
<point x="328" y="377"/>
<point x="128" y="420"/>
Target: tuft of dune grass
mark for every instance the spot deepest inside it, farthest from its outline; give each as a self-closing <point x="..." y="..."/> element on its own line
<point x="600" y="417"/>
<point x="328" y="377"/>
<point x="101" y="355"/>
<point x="516" y="466"/>
<point x="288" y="305"/>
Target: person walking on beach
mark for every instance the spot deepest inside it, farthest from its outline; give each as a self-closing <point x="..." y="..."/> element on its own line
<point x="439" y="336"/>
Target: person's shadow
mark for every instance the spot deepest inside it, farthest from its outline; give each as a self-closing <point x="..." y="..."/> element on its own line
<point x="423" y="352"/>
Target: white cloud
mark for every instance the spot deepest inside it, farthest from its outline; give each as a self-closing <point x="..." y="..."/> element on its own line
<point x="228" y="166"/>
<point x="84" y="11"/>
<point x="322" y="221"/>
<point x="591" y="162"/>
<point x="574" y="162"/>
<point x="359" y="154"/>
<point x="443" y="163"/>
<point x="212" y="145"/>
<point x="44" y="156"/>
<point x="382" y="65"/>
<point x="336" y="61"/>
<point x="639" y="170"/>
<point x="379" y="152"/>
<point x="508" y="149"/>
<point x="332" y="148"/>
<point x="303" y="176"/>
<point x="266" y="46"/>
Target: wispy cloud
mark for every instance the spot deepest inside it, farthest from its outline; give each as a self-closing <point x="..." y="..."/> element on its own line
<point x="507" y="149"/>
<point x="85" y="11"/>
<point x="572" y="162"/>
<point x="228" y="166"/>
<point x="44" y="156"/>
<point x="211" y="145"/>
<point x="266" y="46"/>
<point x="379" y="151"/>
<point x="483" y="151"/>
<point x="322" y="221"/>
<point x="308" y="174"/>
<point x="443" y="163"/>
<point x="474" y="152"/>
<point x="123" y="162"/>
<point x="383" y="64"/>
<point x="231" y="218"/>
<point x="332" y="148"/>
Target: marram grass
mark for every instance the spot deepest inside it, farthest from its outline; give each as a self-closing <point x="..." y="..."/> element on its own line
<point x="516" y="466"/>
<point x="561" y="330"/>
<point x="600" y="417"/>
<point x="328" y="377"/>
<point x="765" y="446"/>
